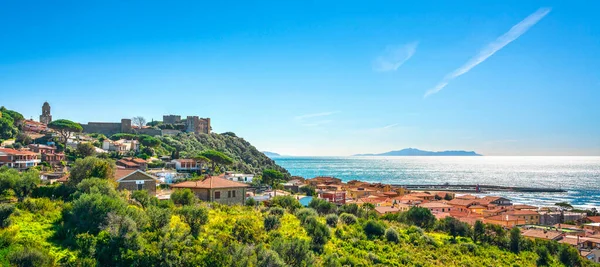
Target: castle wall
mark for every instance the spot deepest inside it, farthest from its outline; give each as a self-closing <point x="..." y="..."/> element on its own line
<point x="105" y="128"/>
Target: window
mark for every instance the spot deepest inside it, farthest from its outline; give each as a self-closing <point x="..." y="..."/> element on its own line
<point x="233" y="193"/>
<point x="217" y="195"/>
<point x="140" y="186"/>
<point x="228" y="194"/>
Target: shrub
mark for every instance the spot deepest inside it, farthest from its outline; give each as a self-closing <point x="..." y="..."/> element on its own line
<point x="331" y="220"/>
<point x="421" y="217"/>
<point x="286" y="202"/>
<point x="294" y="251"/>
<point x="142" y="197"/>
<point x="322" y="206"/>
<point x="277" y="211"/>
<point x="183" y="197"/>
<point x="195" y="217"/>
<point x="374" y="229"/>
<point x="318" y="232"/>
<point x="391" y="235"/>
<point x="250" y="202"/>
<point x="246" y="231"/>
<point x="349" y="208"/>
<point x="304" y="213"/>
<point x="37" y="205"/>
<point x="271" y="222"/>
<point x="5" y="211"/>
<point x="29" y="257"/>
<point x="267" y="257"/>
<point x="347" y="218"/>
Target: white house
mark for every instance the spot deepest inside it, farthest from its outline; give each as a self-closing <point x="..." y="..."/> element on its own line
<point x="186" y="164"/>
<point x="239" y="177"/>
<point x="121" y="146"/>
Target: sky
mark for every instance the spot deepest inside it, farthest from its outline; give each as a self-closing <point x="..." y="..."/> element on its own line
<point x="319" y="78"/>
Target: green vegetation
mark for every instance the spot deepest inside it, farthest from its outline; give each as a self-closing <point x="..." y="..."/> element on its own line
<point x="65" y="128"/>
<point x="9" y="123"/>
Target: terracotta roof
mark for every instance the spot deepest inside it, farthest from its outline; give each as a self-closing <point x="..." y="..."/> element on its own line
<point x="16" y="152"/>
<point x="382" y="210"/>
<point x="210" y="182"/>
<point x="466" y="197"/>
<point x="461" y="202"/>
<point x="421" y="194"/>
<point x="523" y="207"/>
<point x="120" y="173"/>
<point x="435" y="205"/>
<point x="595" y="219"/>
<point x="476" y="207"/>
<point x="522" y="212"/>
<point x="128" y="163"/>
<point x="390" y="193"/>
<point x="63" y="179"/>
<point x="371" y="200"/>
<point x="502" y="217"/>
<point x="571" y="240"/>
<point x="542" y="234"/>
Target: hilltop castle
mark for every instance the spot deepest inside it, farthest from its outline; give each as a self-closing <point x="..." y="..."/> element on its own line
<point x="193" y="124"/>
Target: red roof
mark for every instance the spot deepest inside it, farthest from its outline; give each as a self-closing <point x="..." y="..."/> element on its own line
<point x="595" y="219"/>
<point x="16" y="152"/>
<point x="209" y="183"/>
<point x="120" y="173"/>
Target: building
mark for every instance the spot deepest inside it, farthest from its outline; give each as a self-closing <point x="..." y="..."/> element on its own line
<point x="217" y="189"/>
<point x="133" y="179"/>
<point x="34" y="126"/>
<point x="108" y="128"/>
<point x="594" y="227"/>
<point x="121" y="146"/>
<point x="194" y="124"/>
<point x="461" y="204"/>
<point x="293" y="185"/>
<point x="437" y="206"/>
<point x="356" y="193"/>
<point x="535" y="233"/>
<point x="392" y="209"/>
<point x="48" y="153"/>
<point x="171" y="119"/>
<point x="499" y="201"/>
<point x="239" y="177"/>
<point x="18" y="159"/>
<point x="529" y="216"/>
<point x="132" y="163"/>
<point x="556" y="217"/>
<point x="187" y="165"/>
<point x="337" y="197"/>
<point x="592" y="255"/>
<point x="504" y="220"/>
<point x="46" y="117"/>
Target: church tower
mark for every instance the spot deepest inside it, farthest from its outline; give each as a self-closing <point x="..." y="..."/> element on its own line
<point x="46" y="117"/>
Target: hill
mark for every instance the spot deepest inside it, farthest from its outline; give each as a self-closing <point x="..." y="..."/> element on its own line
<point x="246" y="157"/>
<point x="418" y="152"/>
<point x="271" y="154"/>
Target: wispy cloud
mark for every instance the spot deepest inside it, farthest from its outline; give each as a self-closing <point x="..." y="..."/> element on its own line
<point x="493" y="47"/>
<point x="314" y="115"/>
<point x="394" y="56"/>
<point x="317" y="123"/>
<point x="389" y="126"/>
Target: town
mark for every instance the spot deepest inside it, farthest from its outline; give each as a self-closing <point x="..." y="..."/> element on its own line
<point x="55" y="149"/>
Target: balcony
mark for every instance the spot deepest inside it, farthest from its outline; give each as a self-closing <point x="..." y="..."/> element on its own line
<point x="27" y="161"/>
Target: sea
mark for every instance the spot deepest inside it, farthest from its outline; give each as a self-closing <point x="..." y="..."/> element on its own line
<point x="579" y="176"/>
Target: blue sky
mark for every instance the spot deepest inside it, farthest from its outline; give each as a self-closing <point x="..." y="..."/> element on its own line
<point x="319" y="77"/>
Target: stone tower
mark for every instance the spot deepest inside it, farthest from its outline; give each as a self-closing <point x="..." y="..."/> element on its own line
<point x="46" y="117"/>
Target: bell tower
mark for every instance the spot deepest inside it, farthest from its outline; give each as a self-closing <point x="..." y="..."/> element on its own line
<point x="46" y="117"/>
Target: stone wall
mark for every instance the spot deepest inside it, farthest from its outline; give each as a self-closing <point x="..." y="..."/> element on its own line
<point x="149" y="186"/>
<point x="171" y="119"/>
<point x="108" y="128"/>
<point x="209" y="194"/>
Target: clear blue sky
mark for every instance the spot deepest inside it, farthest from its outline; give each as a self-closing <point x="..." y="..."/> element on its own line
<point x="319" y="77"/>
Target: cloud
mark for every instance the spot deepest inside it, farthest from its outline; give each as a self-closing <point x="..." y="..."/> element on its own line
<point x="493" y="47"/>
<point x="317" y="123"/>
<point x="394" y="56"/>
<point x="314" y="115"/>
<point x="389" y="126"/>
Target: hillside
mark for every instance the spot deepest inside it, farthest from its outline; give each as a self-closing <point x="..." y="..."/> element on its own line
<point x="418" y="152"/>
<point x="271" y="154"/>
<point x="246" y="157"/>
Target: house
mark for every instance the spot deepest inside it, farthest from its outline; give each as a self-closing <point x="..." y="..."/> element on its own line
<point x="594" y="227"/>
<point x="529" y="216"/>
<point x="132" y="163"/>
<point x="593" y="219"/>
<point x="121" y="146"/>
<point x="535" y="233"/>
<point x="592" y="255"/>
<point x="376" y="201"/>
<point x="504" y="220"/>
<point x="356" y="193"/>
<point x="323" y="180"/>
<point x="499" y="201"/>
<point x="477" y="209"/>
<point x="524" y="207"/>
<point x="134" y="179"/>
<point x="293" y="185"/>
<point x="393" y="209"/>
<point x="467" y="197"/>
<point x="462" y="204"/>
<point x="34" y="126"/>
<point x="239" y="177"/>
<point x="337" y="197"/>
<point x="217" y="189"/>
<point x="186" y="165"/>
<point x="436" y="206"/>
<point x="18" y="159"/>
<point x="48" y="153"/>
<point x="423" y="195"/>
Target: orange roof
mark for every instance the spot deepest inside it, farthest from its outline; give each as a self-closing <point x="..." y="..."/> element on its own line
<point x="434" y="205"/>
<point x="371" y="200"/>
<point x="16" y="152"/>
<point x="595" y="219"/>
<point x="63" y="179"/>
<point x="504" y="218"/>
<point x="476" y="207"/>
<point x="383" y="210"/>
<point x="522" y="212"/>
<point x="462" y="202"/>
<point x="209" y="183"/>
<point x="541" y="234"/>
<point x="120" y="173"/>
<point x="523" y="207"/>
<point x="466" y="197"/>
<point x="421" y="194"/>
<point x="128" y="163"/>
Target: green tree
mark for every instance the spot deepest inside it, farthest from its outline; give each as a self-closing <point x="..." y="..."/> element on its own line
<point x="294" y="251"/>
<point x="216" y="158"/>
<point x="322" y="206"/>
<point x="85" y="150"/>
<point x="7" y="129"/>
<point x="149" y="141"/>
<point x="331" y="220"/>
<point x="142" y="197"/>
<point x="564" y="205"/>
<point x="515" y="240"/>
<point x="569" y="256"/>
<point x="5" y="211"/>
<point x="348" y="218"/>
<point x="195" y="216"/>
<point x="183" y="196"/>
<point x="287" y="202"/>
<point x="543" y="256"/>
<point x="478" y="231"/>
<point x="271" y="222"/>
<point x="420" y="217"/>
<point x="391" y="235"/>
<point x="26" y="183"/>
<point x="65" y="128"/>
<point x="319" y="233"/>
<point x="374" y="229"/>
<point x="90" y="211"/>
<point x="272" y="177"/>
<point x="159" y="217"/>
<point x="91" y="167"/>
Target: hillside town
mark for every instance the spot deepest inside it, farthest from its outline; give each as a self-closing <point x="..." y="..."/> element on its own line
<point x="161" y="175"/>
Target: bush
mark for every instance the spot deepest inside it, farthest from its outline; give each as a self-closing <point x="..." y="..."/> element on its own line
<point x="318" y="232"/>
<point x="308" y="190"/>
<point x="421" y="217"/>
<point x="294" y="251"/>
<point x="271" y="222"/>
<point x="26" y="257"/>
<point x="322" y="206"/>
<point x="331" y="220"/>
<point x="183" y="197"/>
<point x="5" y="211"/>
<point x="374" y="229"/>
<point x="195" y="216"/>
<point x="350" y="209"/>
<point x="251" y="202"/>
<point x="142" y="197"/>
<point x="304" y="213"/>
<point x="37" y="205"/>
<point x="246" y="231"/>
<point x="286" y="202"/>
<point x="277" y="211"/>
<point x="391" y="235"/>
<point x="347" y="218"/>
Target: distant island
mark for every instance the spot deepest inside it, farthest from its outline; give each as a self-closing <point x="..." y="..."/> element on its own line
<point x="270" y="154"/>
<point x="418" y="152"/>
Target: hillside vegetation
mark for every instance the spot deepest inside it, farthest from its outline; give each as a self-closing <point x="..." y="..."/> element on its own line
<point x="245" y="156"/>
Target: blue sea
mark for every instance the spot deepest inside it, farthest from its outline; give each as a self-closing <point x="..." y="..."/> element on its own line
<point x="580" y="176"/>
